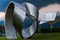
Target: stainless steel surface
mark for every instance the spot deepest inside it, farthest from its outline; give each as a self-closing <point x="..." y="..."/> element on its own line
<point x="32" y="14"/>
<point x="31" y="9"/>
<point x="15" y="17"/>
<point x="45" y="17"/>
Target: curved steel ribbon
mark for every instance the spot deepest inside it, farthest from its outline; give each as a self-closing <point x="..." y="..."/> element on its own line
<point x="45" y="17"/>
<point x="29" y="29"/>
<point x="14" y="18"/>
<point x="23" y="20"/>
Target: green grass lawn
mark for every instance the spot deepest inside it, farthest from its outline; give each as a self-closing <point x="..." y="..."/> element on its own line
<point x="41" y="36"/>
<point x="47" y="36"/>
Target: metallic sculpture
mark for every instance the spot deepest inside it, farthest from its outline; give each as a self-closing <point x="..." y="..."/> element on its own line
<point x="32" y="14"/>
<point x="51" y="17"/>
<point x="45" y="17"/>
<point x="24" y="18"/>
<point x="15" y="17"/>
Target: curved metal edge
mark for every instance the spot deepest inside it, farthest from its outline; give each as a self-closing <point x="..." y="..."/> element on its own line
<point x="31" y="12"/>
<point x="14" y="14"/>
<point x="9" y="31"/>
<point x="31" y="9"/>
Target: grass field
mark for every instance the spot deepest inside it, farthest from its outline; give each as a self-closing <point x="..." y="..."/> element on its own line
<point x="41" y="36"/>
<point x="46" y="36"/>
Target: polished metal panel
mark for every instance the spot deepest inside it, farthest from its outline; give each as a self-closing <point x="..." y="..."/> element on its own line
<point x="14" y="18"/>
<point x="32" y="14"/>
<point x="32" y="10"/>
<point x="18" y="16"/>
<point x="48" y="16"/>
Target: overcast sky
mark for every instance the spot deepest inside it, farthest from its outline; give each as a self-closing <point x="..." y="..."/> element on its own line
<point x="2" y="15"/>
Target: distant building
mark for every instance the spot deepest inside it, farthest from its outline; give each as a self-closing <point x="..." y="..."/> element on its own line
<point x="2" y="30"/>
